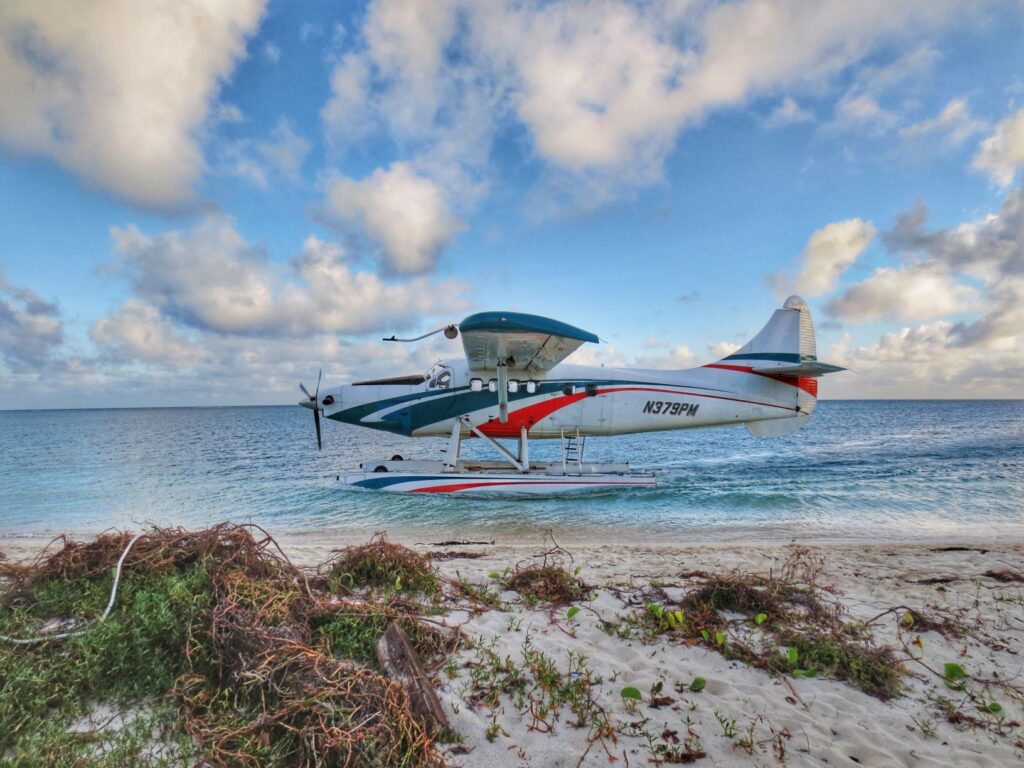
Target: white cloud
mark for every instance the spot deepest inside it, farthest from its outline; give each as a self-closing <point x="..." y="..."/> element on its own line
<point x="927" y="360"/>
<point x="914" y="292"/>
<point x="680" y="356"/>
<point x="788" y="112"/>
<point x="862" y="112"/>
<point x="978" y="357"/>
<point x="260" y="160"/>
<point x="272" y="53"/>
<point x="347" y="115"/>
<point x="1002" y="153"/>
<point x="118" y="96"/>
<point x="30" y="328"/>
<point x="953" y="124"/>
<point x="987" y="251"/>
<point x="829" y="252"/>
<point x="137" y="331"/>
<point x="860" y="109"/>
<point x="406" y="40"/>
<point x="406" y="213"/>
<point x="720" y="349"/>
<point x="603" y="90"/>
<point x="211" y="279"/>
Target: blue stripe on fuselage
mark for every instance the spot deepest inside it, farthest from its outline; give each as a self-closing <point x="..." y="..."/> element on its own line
<point x="425" y="408"/>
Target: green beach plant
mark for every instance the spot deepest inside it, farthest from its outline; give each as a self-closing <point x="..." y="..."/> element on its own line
<point x="218" y="651"/>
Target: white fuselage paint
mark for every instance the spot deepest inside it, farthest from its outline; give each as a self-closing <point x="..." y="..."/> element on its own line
<point x="627" y="401"/>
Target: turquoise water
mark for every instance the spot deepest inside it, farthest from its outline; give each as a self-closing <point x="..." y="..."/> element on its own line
<point x="861" y="469"/>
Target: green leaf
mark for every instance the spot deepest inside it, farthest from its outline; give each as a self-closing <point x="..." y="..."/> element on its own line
<point x="760" y="619"/>
<point x="992" y="709"/>
<point x="812" y="672"/>
<point x="657" y="687"/>
<point x="629" y="692"/>
<point x="720" y="638"/>
<point x="954" y="671"/>
<point x="494" y="575"/>
<point x="706" y="635"/>
<point x="908" y="619"/>
<point x="571" y="613"/>
<point x="680" y="617"/>
<point x="793" y="655"/>
<point x="698" y="684"/>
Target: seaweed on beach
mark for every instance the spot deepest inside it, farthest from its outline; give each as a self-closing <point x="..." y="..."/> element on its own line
<point x="239" y="655"/>
<point x="554" y="580"/>
<point x="786" y="623"/>
<point x="383" y="566"/>
<point x="551" y="584"/>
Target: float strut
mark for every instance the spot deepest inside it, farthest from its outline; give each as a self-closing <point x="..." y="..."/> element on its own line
<point x="524" y="449"/>
<point x="451" y="455"/>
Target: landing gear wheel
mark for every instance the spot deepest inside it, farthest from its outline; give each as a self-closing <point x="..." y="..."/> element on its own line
<point x="380" y="468"/>
<point x="397" y="457"/>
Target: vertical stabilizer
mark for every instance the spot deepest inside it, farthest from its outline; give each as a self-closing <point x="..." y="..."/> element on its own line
<point x="785" y="349"/>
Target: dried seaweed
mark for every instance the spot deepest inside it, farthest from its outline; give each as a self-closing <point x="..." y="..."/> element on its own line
<point x="260" y="681"/>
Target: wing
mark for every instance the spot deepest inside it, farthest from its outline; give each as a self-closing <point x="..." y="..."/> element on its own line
<point x="527" y="343"/>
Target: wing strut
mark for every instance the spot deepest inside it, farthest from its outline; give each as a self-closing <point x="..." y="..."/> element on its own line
<point x="503" y="392"/>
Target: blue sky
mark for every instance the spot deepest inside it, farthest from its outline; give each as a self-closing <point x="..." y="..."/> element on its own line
<point x="203" y="206"/>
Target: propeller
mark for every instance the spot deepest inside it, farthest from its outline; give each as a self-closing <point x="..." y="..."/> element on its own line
<point x="314" y="398"/>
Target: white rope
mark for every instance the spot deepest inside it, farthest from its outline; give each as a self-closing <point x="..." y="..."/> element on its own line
<point x="106" y="613"/>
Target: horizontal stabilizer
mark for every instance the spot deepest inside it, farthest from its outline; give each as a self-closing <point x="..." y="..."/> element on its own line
<point x="806" y="368"/>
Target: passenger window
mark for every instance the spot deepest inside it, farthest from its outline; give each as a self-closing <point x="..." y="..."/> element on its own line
<point x="531" y="387"/>
<point x="513" y="386"/>
<point x="476" y="385"/>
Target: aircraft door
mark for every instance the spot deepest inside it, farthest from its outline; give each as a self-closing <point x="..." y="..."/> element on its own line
<point x="595" y="411"/>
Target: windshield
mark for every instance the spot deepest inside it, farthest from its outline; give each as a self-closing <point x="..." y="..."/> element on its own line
<point x="441" y="381"/>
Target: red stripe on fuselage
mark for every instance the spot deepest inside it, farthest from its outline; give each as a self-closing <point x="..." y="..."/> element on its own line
<point x="807" y="383"/>
<point x="530" y="415"/>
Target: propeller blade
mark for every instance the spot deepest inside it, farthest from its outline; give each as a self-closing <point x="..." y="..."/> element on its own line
<point x="318" y="376"/>
<point x="304" y="390"/>
<point x="316" y="421"/>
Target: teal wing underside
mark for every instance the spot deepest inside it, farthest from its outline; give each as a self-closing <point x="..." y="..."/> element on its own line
<point x="524" y="343"/>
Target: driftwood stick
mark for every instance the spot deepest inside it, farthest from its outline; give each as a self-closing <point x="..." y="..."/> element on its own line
<point x="400" y="662"/>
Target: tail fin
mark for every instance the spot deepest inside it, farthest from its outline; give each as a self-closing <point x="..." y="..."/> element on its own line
<point x="786" y="348"/>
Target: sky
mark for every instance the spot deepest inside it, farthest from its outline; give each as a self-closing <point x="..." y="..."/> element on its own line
<point x="205" y="203"/>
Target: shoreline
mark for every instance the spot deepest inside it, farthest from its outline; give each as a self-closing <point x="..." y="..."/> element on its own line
<point x="19" y="542"/>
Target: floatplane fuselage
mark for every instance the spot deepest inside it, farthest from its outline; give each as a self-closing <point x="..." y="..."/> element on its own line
<point x="511" y="383"/>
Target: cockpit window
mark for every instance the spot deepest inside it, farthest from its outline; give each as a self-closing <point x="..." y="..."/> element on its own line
<point x="441" y="381"/>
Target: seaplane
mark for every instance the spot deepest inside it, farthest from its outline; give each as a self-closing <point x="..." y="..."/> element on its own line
<point x="512" y="383"/>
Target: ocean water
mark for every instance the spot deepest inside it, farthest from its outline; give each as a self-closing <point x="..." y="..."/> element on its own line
<point x="860" y="470"/>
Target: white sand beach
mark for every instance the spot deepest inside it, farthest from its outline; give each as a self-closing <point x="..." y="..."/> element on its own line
<point x="743" y="715"/>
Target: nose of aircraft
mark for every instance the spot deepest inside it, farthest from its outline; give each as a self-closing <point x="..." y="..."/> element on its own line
<point x="311" y="402"/>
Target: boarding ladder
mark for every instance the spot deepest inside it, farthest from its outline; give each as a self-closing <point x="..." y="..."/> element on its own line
<point x="572" y="451"/>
